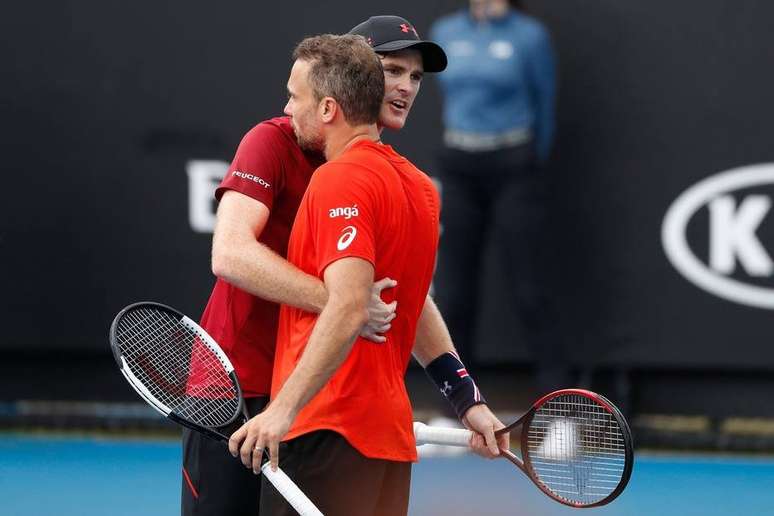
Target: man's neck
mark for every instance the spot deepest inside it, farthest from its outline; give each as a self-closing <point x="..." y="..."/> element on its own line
<point x="490" y="13"/>
<point x="339" y="140"/>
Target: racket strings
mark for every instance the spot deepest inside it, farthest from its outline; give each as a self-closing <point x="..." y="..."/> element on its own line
<point x="192" y="367"/>
<point x="576" y="448"/>
<point x="176" y="367"/>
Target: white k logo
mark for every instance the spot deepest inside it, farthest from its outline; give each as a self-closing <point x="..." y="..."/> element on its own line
<point x="732" y="235"/>
<point x="346" y="238"/>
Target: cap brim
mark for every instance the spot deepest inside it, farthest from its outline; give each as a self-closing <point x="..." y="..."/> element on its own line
<point x="433" y="56"/>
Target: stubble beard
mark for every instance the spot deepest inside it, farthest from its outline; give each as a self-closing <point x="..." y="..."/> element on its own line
<point x="308" y="142"/>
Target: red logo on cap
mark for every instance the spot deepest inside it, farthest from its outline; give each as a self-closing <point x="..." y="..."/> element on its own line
<point x="405" y="28"/>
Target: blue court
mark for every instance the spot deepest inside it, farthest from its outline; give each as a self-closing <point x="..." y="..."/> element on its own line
<point x="111" y="477"/>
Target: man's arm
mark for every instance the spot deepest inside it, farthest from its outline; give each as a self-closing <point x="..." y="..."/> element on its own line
<point x="348" y="281"/>
<point x="240" y="259"/>
<point x="432" y="341"/>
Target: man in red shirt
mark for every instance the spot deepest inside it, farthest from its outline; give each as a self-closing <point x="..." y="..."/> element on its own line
<point x="339" y="400"/>
<point x="258" y="198"/>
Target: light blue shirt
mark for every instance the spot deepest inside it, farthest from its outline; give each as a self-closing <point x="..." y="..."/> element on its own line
<point x="500" y="76"/>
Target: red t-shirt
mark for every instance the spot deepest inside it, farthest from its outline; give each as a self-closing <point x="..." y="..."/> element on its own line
<point x="373" y="204"/>
<point x="270" y="167"/>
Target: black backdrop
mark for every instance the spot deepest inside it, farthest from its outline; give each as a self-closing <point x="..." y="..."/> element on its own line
<point x="105" y="103"/>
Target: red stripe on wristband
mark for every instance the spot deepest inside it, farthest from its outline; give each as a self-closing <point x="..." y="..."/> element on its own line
<point x="453" y="380"/>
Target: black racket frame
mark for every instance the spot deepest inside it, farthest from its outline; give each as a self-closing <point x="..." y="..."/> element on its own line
<point x="240" y="416"/>
<point x="525" y="465"/>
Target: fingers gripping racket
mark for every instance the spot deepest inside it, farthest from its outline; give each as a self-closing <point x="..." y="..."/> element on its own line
<point x="575" y="446"/>
<point x="180" y="371"/>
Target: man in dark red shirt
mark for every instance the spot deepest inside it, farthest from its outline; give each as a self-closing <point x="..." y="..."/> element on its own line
<point x="340" y="402"/>
<point x="259" y="197"/>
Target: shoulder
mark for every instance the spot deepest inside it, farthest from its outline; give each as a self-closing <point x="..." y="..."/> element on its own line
<point x="528" y="26"/>
<point x="275" y="132"/>
<point x="343" y="172"/>
<point x="281" y="124"/>
<point x="359" y="171"/>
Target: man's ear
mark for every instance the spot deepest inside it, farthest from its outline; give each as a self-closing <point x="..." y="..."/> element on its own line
<point x="327" y="109"/>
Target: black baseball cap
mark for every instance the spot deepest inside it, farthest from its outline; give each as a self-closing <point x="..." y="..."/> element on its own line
<point x="390" y="33"/>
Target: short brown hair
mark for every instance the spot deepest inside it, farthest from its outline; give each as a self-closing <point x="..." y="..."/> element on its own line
<point x="346" y="69"/>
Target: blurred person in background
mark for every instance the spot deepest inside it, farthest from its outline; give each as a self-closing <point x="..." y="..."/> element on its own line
<point x="259" y="197"/>
<point x="498" y="116"/>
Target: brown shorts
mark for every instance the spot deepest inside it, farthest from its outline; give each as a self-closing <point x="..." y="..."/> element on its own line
<point x="338" y="479"/>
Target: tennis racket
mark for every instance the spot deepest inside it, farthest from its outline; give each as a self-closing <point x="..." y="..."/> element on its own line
<point x="575" y="446"/>
<point x="180" y="371"/>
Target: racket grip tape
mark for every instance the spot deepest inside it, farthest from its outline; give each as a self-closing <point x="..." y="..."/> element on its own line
<point x="290" y="491"/>
<point x="438" y="435"/>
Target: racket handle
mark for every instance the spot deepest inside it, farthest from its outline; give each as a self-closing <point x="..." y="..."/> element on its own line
<point x="438" y="435"/>
<point x="290" y="491"/>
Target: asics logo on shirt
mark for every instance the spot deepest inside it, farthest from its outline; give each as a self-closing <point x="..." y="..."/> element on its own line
<point x="347" y="213"/>
<point x="347" y="236"/>
<point x="251" y="177"/>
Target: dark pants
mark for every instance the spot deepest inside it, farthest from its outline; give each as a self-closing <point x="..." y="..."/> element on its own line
<point x="502" y="195"/>
<point x="338" y="479"/>
<point x="214" y="482"/>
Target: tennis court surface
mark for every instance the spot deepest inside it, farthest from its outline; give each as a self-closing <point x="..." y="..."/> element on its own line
<point x="83" y="476"/>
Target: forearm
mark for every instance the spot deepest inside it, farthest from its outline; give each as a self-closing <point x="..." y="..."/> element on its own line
<point x="328" y="346"/>
<point x="254" y="268"/>
<point x="432" y="339"/>
<point x="434" y="350"/>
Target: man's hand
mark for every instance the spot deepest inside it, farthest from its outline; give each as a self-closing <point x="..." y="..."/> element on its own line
<point x="265" y="430"/>
<point x="484" y="424"/>
<point x="380" y="314"/>
<point x="348" y="281"/>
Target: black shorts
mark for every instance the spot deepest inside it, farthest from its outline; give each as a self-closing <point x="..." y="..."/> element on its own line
<point x="338" y="479"/>
<point x="214" y="482"/>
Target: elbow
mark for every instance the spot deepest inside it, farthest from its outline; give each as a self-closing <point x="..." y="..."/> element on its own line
<point x="222" y="263"/>
<point x="359" y="320"/>
<point x="357" y="314"/>
<point x="361" y="317"/>
<point x="353" y="310"/>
